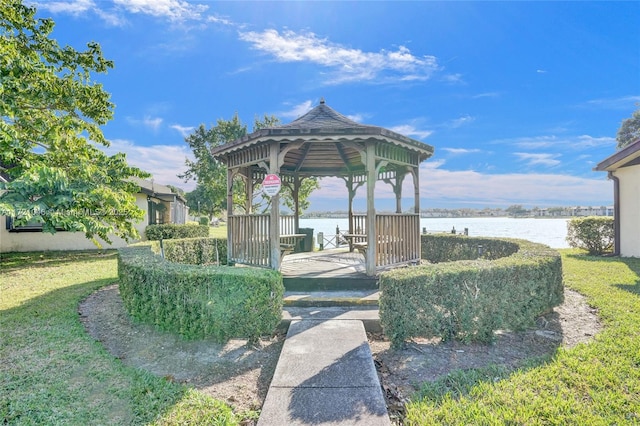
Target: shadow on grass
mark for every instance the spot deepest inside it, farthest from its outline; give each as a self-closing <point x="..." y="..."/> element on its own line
<point x="632" y="263"/>
<point x="201" y="364"/>
<point x="54" y="373"/>
<point x="16" y="260"/>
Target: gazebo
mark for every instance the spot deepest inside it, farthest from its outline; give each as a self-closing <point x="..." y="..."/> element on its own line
<point x="323" y="143"/>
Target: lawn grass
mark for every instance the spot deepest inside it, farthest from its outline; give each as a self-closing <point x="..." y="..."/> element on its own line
<point x="53" y="372"/>
<point x="219" y="231"/>
<point x="592" y="384"/>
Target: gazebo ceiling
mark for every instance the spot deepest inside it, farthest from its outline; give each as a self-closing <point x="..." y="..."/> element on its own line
<point x="328" y="144"/>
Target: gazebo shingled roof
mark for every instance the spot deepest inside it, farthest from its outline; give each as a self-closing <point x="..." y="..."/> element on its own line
<point x="325" y="125"/>
<point x="322" y="143"/>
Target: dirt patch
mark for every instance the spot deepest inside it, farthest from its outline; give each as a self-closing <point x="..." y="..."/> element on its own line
<point x="422" y="360"/>
<point x="232" y="372"/>
<point x="240" y="375"/>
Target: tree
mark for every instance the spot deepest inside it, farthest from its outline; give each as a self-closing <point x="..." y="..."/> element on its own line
<point x="211" y="175"/>
<point x="516" y="210"/>
<point x="629" y="131"/>
<point x="51" y="169"/>
<point x="201" y="202"/>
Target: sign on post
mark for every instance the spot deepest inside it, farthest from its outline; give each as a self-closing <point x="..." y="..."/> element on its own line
<point x="271" y="185"/>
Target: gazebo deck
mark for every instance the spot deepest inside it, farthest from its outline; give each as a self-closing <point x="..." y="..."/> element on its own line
<point x="335" y="269"/>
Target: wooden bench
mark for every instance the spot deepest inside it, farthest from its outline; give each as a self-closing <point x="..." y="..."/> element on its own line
<point x="286" y="249"/>
<point x="357" y="242"/>
<point x="288" y="243"/>
<point x="361" y="247"/>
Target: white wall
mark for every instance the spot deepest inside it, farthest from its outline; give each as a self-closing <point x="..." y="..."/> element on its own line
<point x="39" y="241"/>
<point x="629" y="210"/>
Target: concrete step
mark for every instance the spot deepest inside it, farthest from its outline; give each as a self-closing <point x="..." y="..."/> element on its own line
<point x="338" y="283"/>
<point x="325" y="376"/>
<point x="331" y="298"/>
<point x="368" y="315"/>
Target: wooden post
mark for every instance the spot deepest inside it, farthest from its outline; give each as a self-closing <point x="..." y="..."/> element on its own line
<point x="397" y="189"/>
<point x="230" y="253"/>
<point x="248" y="193"/>
<point x="274" y="217"/>
<point x="297" y="182"/>
<point x="416" y="189"/>
<point x="415" y="172"/>
<point x="372" y="240"/>
<point x="352" y="193"/>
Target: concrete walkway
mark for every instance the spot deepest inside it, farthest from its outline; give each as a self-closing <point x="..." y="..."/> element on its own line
<point x="325" y="376"/>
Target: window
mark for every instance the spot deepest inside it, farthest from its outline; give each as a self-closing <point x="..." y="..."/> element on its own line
<point x="32" y="226"/>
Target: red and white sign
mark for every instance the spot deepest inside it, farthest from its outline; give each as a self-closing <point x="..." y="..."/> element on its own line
<point x="271" y="185"/>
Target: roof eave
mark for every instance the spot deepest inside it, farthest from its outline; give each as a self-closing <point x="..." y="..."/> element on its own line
<point x="620" y="158"/>
<point x="290" y="135"/>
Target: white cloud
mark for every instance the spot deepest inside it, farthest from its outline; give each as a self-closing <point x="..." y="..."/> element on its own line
<point x="174" y="10"/>
<point x="219" y="20"/>
<point x="453" y="78"/>
<point x="153" y="123"/>
<point x="541" y="71"/>
<point x="459" y="187"/>
<point x="297" y="110"/>
<point x="486" y="95"/>
<point x="347" y="63"/>
<point x="623" y="102"/>
<point x="442" y="187"/>
<point x="461" y="151"/>
<point x="72" y="7"/>
<point x="164" y="162"/>
<point x="183" y="130"/>
<point x="548" y="141"/>
<point x="538" y="159"/>
<point x="358" y="118"/>
<point x="410" y="130"/>
<point x="461" y="121"/>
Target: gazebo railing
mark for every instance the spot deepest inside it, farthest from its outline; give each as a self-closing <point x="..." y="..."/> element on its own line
<point x="398" y="239"/>
<point x="249" y="238"/>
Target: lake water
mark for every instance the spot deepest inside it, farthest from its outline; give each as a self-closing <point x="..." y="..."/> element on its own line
<point x="552" y="232"/>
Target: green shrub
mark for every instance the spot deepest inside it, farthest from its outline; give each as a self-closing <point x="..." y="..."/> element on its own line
<point x="171" y="231"/>
<point x="204" y="221"/>
<point x="220" y="302"/>
<point x="196" y="251"/>
<point x="594" y="234"/>
<point x="437" y="248"/>
<point x="469" y="300"/>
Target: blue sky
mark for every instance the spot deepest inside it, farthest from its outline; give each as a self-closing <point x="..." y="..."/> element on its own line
<point x="519" y="99"/>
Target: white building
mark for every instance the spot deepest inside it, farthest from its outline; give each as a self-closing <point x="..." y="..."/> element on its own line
<point x="624" y="169"/>
<point x="160" y="204"/>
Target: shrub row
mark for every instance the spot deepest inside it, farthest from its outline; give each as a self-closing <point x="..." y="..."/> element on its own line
<point x="469" y="300"/>
<point x="437" y="248"/>
<point x="172" y="231"/>
<point x="219" y="302"/>
<point x="196" y="251"/>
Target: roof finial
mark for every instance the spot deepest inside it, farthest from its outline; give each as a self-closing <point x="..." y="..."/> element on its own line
<point x="322" y="101"/>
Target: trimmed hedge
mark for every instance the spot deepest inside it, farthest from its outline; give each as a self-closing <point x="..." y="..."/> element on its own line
<point x="468" y="300"/>
<point x="172" y="231"/>
<point x="437" y="248"/>
<point x="219" y="302"/>
<point x="196" y="251"/>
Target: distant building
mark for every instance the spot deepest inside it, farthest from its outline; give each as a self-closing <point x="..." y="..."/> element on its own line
<point x="624" y="169"/>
